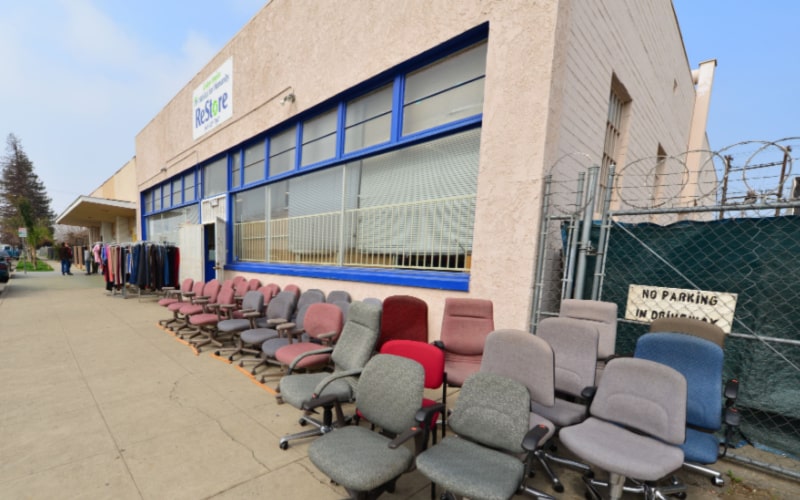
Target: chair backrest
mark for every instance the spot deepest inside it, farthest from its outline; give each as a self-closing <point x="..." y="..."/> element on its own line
<point x="389" y="392"/>
<point x="225" y="296"/>
<point x="240" y="287"/>
<point x="465" y="325"/>
<point x="211" y="290"/>
<point x="338" y="296"/>
<point x="292" y="288"/>
<point x="253" y="301"/>
<point x="604" y="314"/>
<point x="321" y="318"/>
<point x="374" y="301"/>
<point x="253" y="284"/>
<point x="574" y="343"/>
<point x="524" y="357"/>
<point x="691" y="326"/>
<point x="428" y="355"/>
<point x="644" y="395"/>
<point x="313" y="296"/>
<point x="700" y="361"/>
<point x="197" y="288"/>
<point x="282" y="306"/>
<point x="269" y="291"/>
<point x="343" y="306"/>
<point x="359" y="335"/>
<point x="186" y="285"/>
<point x="404" y="317"/>
<point x="492" y="410"/>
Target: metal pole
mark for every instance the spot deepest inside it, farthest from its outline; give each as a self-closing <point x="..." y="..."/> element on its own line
<point x="540" y="255"/>
<point x="572" y="242"/>
<point x="602" y="244"/>
<point x="724" y="198"/>
<point x="586" y="228"/>
<point x="783" y="176"/>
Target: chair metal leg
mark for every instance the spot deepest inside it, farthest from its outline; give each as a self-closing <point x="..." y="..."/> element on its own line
<point x="715" y="476"/>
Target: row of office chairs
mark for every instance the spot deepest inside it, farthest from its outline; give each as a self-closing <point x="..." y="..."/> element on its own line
<point x="580" y="323"/>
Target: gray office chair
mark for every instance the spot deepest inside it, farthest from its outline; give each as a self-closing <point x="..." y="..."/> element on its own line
<point x="349" y="356"/>
<point x="574" y="343"/>
<point x="491" y="422"/>
<point x="365" y="462"/>
<point x="635" y="430"/>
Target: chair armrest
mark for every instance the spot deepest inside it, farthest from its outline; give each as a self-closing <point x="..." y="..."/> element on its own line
<point x="285" y="326"/>
<point x="425" y="414"/>
<point x="732" y="417"/>
<point x="276" y="321"/>
<point x="327" y="335"/>
<point x="336" y="376"/>
<point x="731" y="392"/>
<point x="405" y="436"/>
<point x="588" y="393"/>
<point x="439" y="344"/>
<point x="167" y="288"/>
<point x="227" y="306"/>
<point x="293" y="365"/>
<point x="531" y="440"/>
<point x="247" y="314"/>
<point x="317" y="401"/>
<point x="200" y="300"/>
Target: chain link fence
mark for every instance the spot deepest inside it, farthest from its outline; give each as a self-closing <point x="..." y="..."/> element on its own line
<point x="718" y="241"/>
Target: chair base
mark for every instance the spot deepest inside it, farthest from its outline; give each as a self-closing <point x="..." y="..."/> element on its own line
<point x="616" y="485"/>
<point x="319" y="429"/>
<point x="715" y="476"/>
<point x="545" y="458"/>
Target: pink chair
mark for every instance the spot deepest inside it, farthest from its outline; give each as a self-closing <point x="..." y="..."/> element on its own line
<point x="172" y="296"/>
<point x="465" y="325"/>
<point x="179" y="320"/>
<point x="322" y="323"/>
<point x="209" y="296"/>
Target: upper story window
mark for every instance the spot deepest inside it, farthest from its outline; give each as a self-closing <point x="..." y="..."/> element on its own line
<point x="236" y="168"/>
<point x="368" y="120"/>
<point x="445" y="91"/>
<point x="319" y="138"/>
<point x="215" y="177"/>
<point x="188" y="187"/>
<point x="157" y="198"/>
<point x="177" y="190"/>
<point x="282" y="148"/>
<point x="254" y="162"/>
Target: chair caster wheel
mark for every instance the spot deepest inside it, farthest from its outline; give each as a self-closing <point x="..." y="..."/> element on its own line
<point x="717" y="481"/>
<point x="558" y="487"/>
<point x="284" y="445"/>
<point x="216" y="353"/>
<point x="302" y="422"/>
<point x="680" y="495"/>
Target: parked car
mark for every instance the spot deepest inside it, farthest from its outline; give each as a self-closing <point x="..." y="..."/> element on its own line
<point x="5" y="271"/>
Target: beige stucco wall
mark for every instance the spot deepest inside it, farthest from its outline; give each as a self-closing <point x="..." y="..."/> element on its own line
<point x="548" y="73"/>
<point x="123" y="185"/>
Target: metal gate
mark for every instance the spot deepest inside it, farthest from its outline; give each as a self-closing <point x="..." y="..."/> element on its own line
<point x="658" y="239"/>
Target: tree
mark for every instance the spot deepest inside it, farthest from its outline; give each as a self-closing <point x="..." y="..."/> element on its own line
<point x="19" y="182"/>
<point x="38" y="233"/>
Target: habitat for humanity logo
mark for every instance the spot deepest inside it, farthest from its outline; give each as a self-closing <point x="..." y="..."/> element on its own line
<point x="212" y="100"/>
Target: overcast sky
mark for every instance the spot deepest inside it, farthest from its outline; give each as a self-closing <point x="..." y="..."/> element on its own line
<point x="82" y="77"/>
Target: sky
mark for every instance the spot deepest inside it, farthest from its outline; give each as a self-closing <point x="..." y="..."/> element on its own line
<point x="80" y="78"/>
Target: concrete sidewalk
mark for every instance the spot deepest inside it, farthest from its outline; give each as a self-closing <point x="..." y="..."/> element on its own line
<point x="96" y="401"/>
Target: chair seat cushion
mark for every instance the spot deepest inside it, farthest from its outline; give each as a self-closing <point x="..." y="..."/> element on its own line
<point x="167" y="301"/>
<point x="176" y="306"/>
<point x="459" y="368"/>
<point x="258" y="336"/>
<point x="204" y="319"/>
<point x="563" y="413"/>
<point x="465" y="468"/>
<point x="700" y="447"/>
<point x="191" y="309"/>
<point x="298" y="388"/>
<point x="615" y="449"/>
<point x="358" y="458"/>
<point x="271" y="346"/>
<point x="287" y="354"/>
<point x="233" y="325"/>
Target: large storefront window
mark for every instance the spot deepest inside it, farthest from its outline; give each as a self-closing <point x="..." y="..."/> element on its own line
<point x="165" y="226"/>
<point x="412" y="209"/>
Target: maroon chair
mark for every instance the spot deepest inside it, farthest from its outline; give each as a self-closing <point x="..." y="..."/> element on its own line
<point x="178" y="320"/>
<point x="322" y="323"/>
<point x="465" y="325"/>
<point x="432" y="359"/>
<point x="204" y="324"/>
<point x="404" y="318"/>
<point x="173" y="296"/>
<point x="209" y="296"/>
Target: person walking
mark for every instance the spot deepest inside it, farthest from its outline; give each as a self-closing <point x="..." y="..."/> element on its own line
<point x="65" y="254"/>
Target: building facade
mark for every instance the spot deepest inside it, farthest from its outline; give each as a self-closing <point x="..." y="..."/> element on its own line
<point x="400" y="147"/>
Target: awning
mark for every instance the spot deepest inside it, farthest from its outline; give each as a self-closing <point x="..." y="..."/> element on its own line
<point x="87" y="211"/>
